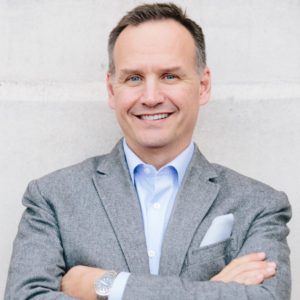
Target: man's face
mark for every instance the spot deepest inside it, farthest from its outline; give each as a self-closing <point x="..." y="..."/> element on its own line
<point x="156" y="89"/>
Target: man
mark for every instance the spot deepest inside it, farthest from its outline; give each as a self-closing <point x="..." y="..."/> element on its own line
<point x="153" y="219"/>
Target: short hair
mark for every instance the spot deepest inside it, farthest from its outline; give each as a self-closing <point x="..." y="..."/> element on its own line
<point x="158" y="11"/>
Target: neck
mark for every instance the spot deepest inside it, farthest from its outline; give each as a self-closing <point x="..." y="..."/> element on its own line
<point x="158" y="157"/>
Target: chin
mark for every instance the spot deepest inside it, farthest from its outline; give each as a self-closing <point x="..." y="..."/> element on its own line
<point x="154" y="142"/>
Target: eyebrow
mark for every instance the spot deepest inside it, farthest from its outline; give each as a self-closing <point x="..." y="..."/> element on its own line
<point x="171" y="69"/>
<point x="124" y="72"/>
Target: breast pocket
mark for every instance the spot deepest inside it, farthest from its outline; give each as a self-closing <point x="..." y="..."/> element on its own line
<point x="203" y="263"/>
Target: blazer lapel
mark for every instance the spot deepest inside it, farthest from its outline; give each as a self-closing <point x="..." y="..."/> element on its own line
<point x="121" y="204"/>
<point x="192" y="203"/>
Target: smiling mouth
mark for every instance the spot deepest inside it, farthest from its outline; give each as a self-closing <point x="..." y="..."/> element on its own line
<point x="154" y="117"/>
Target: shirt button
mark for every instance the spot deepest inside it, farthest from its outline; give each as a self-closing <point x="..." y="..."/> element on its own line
<point x="156" y="205"/>
<point x="151" y="253"/>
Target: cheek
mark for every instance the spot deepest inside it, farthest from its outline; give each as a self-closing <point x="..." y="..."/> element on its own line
<point x="125" y="99"/>
<point x="186" y="100"/>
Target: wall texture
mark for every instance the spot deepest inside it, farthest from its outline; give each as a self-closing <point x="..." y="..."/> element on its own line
<point x="53" y="109"/>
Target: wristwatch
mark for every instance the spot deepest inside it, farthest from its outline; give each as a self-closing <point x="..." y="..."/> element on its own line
<point x="103" y="284"/>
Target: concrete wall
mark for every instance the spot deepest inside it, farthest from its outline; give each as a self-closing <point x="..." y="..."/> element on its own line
<point x="53" y="108"/>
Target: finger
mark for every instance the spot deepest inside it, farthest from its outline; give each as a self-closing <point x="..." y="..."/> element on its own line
<point x="256" y="256"/>
<point x="262" y="266"/>
<point x="255" y="276"/>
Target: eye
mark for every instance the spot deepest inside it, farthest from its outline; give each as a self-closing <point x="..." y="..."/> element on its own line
<point x="169" y="76"/>
<point x="134" y="78"/>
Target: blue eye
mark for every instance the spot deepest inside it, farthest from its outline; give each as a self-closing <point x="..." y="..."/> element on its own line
<point x="169" y="76"/>
<point x="135" y="78"/>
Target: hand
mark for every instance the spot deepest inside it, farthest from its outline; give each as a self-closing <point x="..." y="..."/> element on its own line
<point x="79" y="282"/>
<point x="248" y="269"/>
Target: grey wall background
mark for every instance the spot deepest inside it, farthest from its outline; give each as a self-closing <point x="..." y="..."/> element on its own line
<point x="53" y="108"/>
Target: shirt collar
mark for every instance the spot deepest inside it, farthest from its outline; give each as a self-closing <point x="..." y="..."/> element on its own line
<point x="180" y="163"/>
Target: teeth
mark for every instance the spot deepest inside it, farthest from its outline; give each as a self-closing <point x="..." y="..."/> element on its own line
<point x="154" y="117"/>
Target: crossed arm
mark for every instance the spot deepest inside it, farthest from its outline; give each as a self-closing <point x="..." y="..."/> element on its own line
<point x="255" y="275"/>
<point x="251" y="269"/>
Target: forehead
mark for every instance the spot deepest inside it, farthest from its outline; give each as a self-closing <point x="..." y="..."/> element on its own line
<point x="162" y="41"/>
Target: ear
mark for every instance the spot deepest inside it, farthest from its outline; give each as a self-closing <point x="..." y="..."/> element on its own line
<point x="110" y="90"/>
<point x="205" y="86"/>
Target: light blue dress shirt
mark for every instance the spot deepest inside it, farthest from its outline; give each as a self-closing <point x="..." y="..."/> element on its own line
<point x="156" y="190"/>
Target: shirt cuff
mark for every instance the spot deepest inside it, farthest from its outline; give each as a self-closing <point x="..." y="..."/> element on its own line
<point x="118" y="287"/>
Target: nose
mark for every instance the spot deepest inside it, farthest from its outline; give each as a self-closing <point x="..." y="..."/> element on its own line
<point x="152" y="95"/>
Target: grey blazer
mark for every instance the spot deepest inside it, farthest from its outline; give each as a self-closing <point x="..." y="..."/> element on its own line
<point x="89" y="214"/>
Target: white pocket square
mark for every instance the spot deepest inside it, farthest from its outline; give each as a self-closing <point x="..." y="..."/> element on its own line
<point x="219" y="230"/>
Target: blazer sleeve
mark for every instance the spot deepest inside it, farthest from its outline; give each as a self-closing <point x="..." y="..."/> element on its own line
<point x="267" y="232"/>
<point x="37" y="262"/>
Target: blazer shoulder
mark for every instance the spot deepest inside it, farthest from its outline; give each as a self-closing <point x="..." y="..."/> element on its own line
<point x="248" y="187"/>
<point x="77" y="174"/>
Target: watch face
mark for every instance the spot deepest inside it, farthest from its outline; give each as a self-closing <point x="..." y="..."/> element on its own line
<point x="104" y="284"/>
